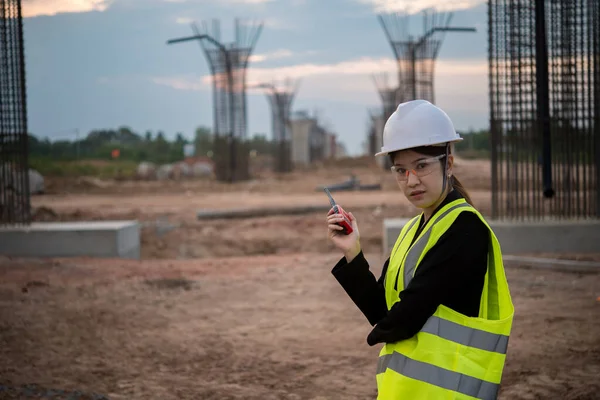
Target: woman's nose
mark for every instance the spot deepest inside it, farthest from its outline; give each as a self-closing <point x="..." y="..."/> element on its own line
<point x="412" y="178"/>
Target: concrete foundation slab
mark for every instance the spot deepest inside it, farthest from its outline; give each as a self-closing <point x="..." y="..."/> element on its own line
<point x="518" y="237"/>
<point x="120" y="239"/>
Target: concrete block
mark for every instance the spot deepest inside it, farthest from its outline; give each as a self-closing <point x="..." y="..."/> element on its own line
<point x="391" y="230"/>
<point x="519" y="237"/>
<point x="569" y="236"/>
<point x="105" y="239"/>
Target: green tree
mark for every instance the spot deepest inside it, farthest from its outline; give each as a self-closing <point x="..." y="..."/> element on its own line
<point x="261" y="144"/>
<point x="98" y="144"/>
<point x="203" y="141"/>
<point x="179" y="139"/>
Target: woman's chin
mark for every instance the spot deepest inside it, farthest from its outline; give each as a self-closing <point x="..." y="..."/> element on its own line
<point x="420" y="203"/>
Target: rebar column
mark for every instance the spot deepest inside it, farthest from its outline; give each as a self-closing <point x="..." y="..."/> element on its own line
<point x="228" y="65"/>
<point x="416" y="56"/>
<point x="544" y="108"/>
<point x="15" y="205"/>
<point x="543" y="96"/>
<point x="281" y="99"/>
<point x="390" y="98"/>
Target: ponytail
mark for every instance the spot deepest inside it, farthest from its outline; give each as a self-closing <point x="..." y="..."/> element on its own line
<point x="461" y="189"/>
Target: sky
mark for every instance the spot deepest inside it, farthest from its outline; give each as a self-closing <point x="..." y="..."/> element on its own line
<point x="103" y="64"/>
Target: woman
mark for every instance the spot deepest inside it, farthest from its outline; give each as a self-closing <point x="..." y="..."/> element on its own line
<point x="441" y="308"/>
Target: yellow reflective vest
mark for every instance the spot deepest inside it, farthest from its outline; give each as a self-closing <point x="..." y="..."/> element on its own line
<point x="453" y="356"/>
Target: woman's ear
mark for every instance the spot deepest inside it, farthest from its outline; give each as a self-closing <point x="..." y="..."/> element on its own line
<point x="450" y="164"/>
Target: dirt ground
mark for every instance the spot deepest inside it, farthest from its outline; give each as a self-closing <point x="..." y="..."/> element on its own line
<point x="247" y="308"/>
<point x="263" y="327"/>
<point x="167" y="210"/>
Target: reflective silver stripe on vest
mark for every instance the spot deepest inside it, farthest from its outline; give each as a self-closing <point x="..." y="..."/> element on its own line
<point x="415" y="252"/>
<point x="466" y="336"/>
<point x="403" y="237"/>
<point x="437" y="376"/>
<point x="414" y="221"/>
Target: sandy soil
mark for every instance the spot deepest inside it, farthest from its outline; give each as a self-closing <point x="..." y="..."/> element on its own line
<point x="475" y="173"/>
<point x="167" y="210"/>
<point x="263" y="327"/>
<point x="170" y="230"/>
<point x="247" y="308"/>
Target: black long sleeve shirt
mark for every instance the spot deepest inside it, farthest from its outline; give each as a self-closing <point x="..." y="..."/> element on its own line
<point x="451" y="273"/>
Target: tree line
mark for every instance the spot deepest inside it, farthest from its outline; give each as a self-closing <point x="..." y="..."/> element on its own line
<point x="157" y="148"/>
<point x="475" y="144"/>
<point x="127" y="145"/>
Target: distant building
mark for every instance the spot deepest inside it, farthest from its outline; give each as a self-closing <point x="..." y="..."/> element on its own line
<point x="330" y="146"/>
<point x="301" y="132"/>
<point x="340" y="150"/>
<point x="310" y="141"/>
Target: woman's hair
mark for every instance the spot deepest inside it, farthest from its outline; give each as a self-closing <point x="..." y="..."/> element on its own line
<point x="432" y="151"/>
<point x="458" y="186"/>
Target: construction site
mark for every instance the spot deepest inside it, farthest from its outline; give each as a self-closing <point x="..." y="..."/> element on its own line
<point x="220" y="287"/>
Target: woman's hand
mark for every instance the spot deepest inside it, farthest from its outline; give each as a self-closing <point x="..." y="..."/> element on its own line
<point x="348" y="244"/>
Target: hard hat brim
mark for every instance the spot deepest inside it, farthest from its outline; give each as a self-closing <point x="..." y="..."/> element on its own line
<point x="385" y="152"/>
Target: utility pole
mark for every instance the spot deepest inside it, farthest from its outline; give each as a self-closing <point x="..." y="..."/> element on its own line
<point x="77" y="142"/>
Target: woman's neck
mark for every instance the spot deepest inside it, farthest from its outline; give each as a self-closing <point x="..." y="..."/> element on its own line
<point x="428" y="212"/>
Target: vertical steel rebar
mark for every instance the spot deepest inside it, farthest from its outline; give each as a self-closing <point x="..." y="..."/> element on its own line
<point x="493" y="90"/>
<point x="544" y="108"/>
<point x="15" y="204"/>
<point x="416" y="56"/>
<point x="228" y="64"/>
<point x="280" y="100"/>
<point x="596" y="95"/>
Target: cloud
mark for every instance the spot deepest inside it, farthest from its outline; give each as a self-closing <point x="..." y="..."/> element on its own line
<point x="363" y="66"/>
<point x="277" y="54"/>
<point x="182" y="82"/>
<point x="223" y="1"/>
<point x="412" y="6"/>
<point x="33" y="8"/>
<point x="248" y="1"/>
<point x="279" y="24"/>
<point x="184" y="20"/>
<point x="349" y="81"/>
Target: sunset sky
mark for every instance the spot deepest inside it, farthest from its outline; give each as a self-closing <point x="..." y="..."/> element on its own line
<point x="94" y="64"/>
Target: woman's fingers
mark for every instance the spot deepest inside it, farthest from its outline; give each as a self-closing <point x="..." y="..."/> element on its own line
<point x="334" y="227"/>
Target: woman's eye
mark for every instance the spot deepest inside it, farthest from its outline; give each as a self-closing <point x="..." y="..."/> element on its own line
<point x="421" y="165"/>
<point x="401" y="170"/>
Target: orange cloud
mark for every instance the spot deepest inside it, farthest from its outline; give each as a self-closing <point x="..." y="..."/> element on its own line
<point x="277" y="54"/>
<point x="364" y="66"/>
<point x="337" y="81"/>
<point x="33" y="8"/>
<point x="412" y="6"/>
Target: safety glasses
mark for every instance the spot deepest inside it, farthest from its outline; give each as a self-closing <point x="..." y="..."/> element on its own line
<point x="420" y="169"/>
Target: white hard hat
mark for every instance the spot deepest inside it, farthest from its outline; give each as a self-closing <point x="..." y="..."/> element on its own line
<point x="417" y="123"/>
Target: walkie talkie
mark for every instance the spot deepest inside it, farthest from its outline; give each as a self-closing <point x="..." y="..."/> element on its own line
<point x="346" y="224"/>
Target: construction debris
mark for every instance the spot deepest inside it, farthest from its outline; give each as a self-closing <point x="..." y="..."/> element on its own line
<point x="260" y="212"/>
<point x="351" y="184"/>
